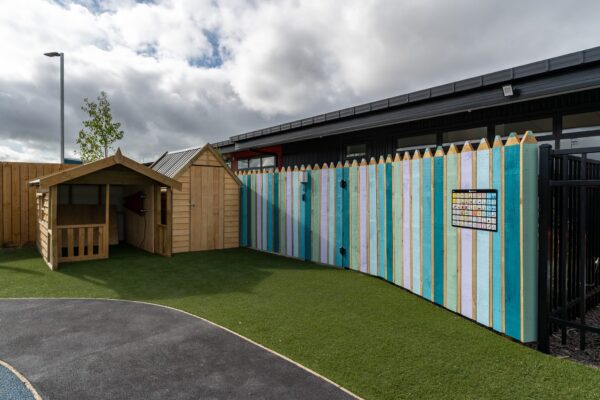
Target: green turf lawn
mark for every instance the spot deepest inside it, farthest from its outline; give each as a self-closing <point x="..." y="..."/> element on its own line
<point x="367" y="335"/>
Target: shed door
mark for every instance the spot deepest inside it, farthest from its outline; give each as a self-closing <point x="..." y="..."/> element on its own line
<point x="207" y="208"/>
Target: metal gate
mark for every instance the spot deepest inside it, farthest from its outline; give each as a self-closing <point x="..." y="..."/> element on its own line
<point x="569" y="246"/>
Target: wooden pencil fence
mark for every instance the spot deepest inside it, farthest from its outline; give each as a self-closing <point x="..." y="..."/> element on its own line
<point x="391" y="218"/>
<point x="18" y="202"/>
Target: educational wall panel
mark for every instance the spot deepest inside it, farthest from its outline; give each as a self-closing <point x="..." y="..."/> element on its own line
<point x="392" y="218"/>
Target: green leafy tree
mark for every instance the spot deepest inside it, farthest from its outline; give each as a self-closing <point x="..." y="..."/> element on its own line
<point x="99" y="132"/>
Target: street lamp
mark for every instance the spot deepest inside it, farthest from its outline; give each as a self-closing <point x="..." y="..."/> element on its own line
<point x="62" y="101"/>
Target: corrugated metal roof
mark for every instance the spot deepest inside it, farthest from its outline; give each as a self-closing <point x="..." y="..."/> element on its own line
<point x="172" y="162"/>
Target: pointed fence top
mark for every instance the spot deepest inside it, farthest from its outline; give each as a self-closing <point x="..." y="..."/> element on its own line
<point x="427" y="153"/>
<point x="452" y="149"/>
<point x="497" y="141"/>
<point x="417" y="155"/>
<point x="513" y="139"/>
<point x="483" y="145"/>
<point x="363" y="162"/>
<point x="397" y="157"/>
<point x="439" y="152"/>
<point x="529" y="138"/>
<point x="467" y="147"/>
<point x="406" y="156"/>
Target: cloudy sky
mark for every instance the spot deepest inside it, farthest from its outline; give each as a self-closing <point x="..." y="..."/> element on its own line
<point x="181" y="73"/>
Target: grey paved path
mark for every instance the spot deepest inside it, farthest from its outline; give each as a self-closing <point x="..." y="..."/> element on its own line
<point x="102" y="349"/>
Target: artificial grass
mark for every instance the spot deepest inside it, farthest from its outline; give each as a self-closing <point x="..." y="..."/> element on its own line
<point x="363" y="333"/>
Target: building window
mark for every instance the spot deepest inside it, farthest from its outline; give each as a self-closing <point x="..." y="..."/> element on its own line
<point x="539" y="127"/>
<point x="416" y="142"/>
<point x="578" y="123"/>
<point x="473" y="135"/>
<point x="356" y="150"/>
<point x="257" y="163"/>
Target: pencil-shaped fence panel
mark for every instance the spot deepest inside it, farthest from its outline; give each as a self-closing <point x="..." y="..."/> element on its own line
<point x="457" y="228"/>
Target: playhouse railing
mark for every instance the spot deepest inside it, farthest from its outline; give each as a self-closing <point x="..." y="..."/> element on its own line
<point x="82" y="242"/>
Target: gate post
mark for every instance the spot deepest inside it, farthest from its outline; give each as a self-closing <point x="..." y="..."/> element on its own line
<point x="544" y="237"/>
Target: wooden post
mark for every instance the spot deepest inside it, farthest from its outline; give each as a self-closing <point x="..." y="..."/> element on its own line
<point x="54" y="250"/>
<point x="169" y="229"/>
<point x="106" y="219"/>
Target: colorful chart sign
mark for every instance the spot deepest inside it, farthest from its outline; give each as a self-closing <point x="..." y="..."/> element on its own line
<point x="475" y="209"/>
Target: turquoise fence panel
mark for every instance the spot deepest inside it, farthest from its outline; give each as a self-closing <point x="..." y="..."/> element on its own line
<point x="372" y="215"/>
<point x="438" y="227"/>
<point x="381" y="209"/>
<point x="512" y="224"/>
<point x="397" y="218"/>
<point x="339" y="216"/>
<point x="346" y="217"/>
<point x="389" y="226"/>
<point x="426" y="224"/>
<point x="331" y="217"/>
<point x="497" y="268"/>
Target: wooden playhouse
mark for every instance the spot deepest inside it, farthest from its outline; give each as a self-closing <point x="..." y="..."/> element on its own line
<point x="83" y="210"/>
<point x="206" y="209"/>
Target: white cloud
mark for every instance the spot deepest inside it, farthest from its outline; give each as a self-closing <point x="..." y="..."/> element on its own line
<point x="180" y="73"/>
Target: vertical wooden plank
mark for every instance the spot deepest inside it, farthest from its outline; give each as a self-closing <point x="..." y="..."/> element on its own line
<point x="265" y="210"/>
<point x="372" y="211"/>
<point x="259" y="211"/>
<point x="289" y="214"/>
<point x="169" y="228"/>
<point x="6" y="203"/>
<point x="296" y="211"/>
<point x="90" y="241"/>
<point x="70" y="243"/>
<point x="389" y="228"/>
<point x="406" y="222"/>
<point x="276" y="209"/>
<point x="252" y="210"/>
<point x="381" y="216"/>
<point x="316" y="214"/>
<point x="339" y="214"/>
<point x="244" y="211"/>
<point x="512" y="223"/>
<point x="54" y="250"/>
<point x="438" y="225"/>
<point x="397" y="217"/>
<point x="346" y="216"/>
<point x="426" y="223"/>
<point x="416" y="222"/>
<point x="16" y="205"/>
<point x="353" y="191"/>
<point x="24" y="217"/>
<point x="363" y="217"/>
<point x="483" y="240"/>
<point x="282" y="211"/>
<point x="451" y="292"/>
<point x="307" y="215"/>
<point x="331" y="216"/>
<point x="529" y="237"/>
<point x="324" y="190"/>
<point x="106" y="220"/>
<point x="81" y="242"/>
<point x="32" y="215"/>
<point x="270" y="211"/>
<point x="2" y="206"/>
<point x="497" y="254"/>
<point x="301" y="215"/>
<point x="466" y="237"/>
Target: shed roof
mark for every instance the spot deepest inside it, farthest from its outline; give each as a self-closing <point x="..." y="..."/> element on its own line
<point x="117" y="159"/>
<point x="173" y="163"/>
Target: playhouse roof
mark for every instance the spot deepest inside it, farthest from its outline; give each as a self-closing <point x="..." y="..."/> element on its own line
<point x="173" y="163"/>
<point x="117" y="159"/>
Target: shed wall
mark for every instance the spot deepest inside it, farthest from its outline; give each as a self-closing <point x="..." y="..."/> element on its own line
<point x="43" y="225"/>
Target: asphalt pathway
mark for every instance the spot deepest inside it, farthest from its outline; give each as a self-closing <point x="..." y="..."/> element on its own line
<point x="104" y="349"/>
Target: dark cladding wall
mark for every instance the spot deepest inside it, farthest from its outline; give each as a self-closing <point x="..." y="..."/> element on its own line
<point x="383" y="140"/>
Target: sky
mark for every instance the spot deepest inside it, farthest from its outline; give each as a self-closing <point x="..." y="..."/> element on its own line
<point x="182" y="73"/>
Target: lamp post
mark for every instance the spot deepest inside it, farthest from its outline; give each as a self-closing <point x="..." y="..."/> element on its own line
<point x="62" y="101"/>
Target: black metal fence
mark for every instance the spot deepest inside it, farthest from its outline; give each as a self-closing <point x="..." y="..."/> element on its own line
<point x="569" y="229"/>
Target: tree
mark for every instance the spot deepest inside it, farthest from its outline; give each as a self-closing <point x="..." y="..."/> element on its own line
<point x="99" y="132"/>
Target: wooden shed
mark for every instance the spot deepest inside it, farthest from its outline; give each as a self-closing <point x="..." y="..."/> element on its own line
<point x="206" y="209"/>
<point x="83" y="210"/>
